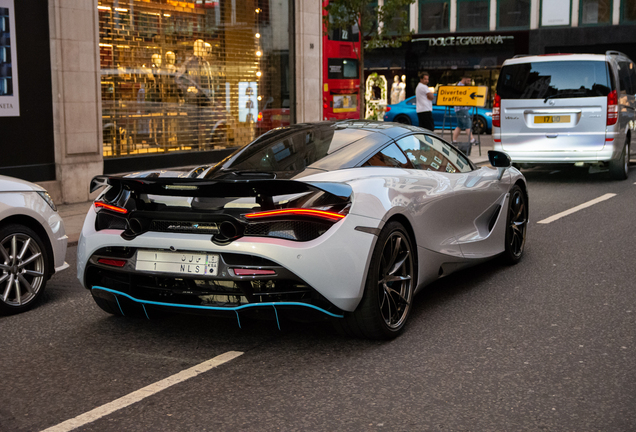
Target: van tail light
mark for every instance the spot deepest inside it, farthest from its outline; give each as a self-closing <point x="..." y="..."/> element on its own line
<point x="496" y="111"/>
<point x="612" y="108"/>
<point x="259" y="117"/>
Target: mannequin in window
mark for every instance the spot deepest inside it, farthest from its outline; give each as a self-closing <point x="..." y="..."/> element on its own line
<point x="395" y="90"/>
<point x="171" y="59"/>
<point x="195" y="75"/>
<point x="402" y="86"/>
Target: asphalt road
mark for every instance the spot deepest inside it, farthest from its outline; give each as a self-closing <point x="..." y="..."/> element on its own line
<point x="548" y="344"/>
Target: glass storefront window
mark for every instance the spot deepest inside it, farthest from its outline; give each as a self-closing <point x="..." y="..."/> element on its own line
<point x="434" y="15"/>
<point x="596" y="11"/>
<point x="473" y="15"/>
<point x="192" y="75"/>
<point x="513" y="13"/>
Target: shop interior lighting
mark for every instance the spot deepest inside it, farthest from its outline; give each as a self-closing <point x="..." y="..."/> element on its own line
<point x="258" y="74"/>
<point x="257" y="35"/>
<point x="166" y="15"/>
<point x="121" y="10"/>
<point x="258" y="53"/>
<point x="103" y="7"/>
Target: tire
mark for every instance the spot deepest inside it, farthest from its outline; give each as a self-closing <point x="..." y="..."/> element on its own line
<point x="388" y="294"/>
<point x="24" y="268"/>
<point x="403" y="119"/>
<point x="619" y="168"/>
<point x="479" y="125"/>
<point x="516" y="226"/>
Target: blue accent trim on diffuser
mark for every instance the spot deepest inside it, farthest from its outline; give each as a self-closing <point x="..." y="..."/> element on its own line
<point x="217" y="308"/>
<point x="120" y="309"/>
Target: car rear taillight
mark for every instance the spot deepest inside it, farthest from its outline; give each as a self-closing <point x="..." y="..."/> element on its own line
<point x="112" y="262"/>
<point x="332" y="216"/>
<point x="612" y="108"/>
<point x="387" y="109"/>
<point x="259" y="117"/>
<point x="496" y="111"/>
<point x="100" y="204"/>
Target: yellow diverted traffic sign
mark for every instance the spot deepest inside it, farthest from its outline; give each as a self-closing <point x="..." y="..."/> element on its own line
<point x="473" y="96"/>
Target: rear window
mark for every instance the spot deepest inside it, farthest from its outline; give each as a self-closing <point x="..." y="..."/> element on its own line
<point x="342" y="68"/>
<point x="557" y="79"/>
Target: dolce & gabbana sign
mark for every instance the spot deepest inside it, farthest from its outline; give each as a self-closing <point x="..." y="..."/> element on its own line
<point x="465" y="40"/>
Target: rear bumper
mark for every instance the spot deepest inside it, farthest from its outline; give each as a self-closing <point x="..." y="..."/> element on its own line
<point x="611" y="150"/>
<point x="334" y="265"/>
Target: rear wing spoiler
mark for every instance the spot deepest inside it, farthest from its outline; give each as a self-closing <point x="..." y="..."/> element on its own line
<point x="211" y="188"/>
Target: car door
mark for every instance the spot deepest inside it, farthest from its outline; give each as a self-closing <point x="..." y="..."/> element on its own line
<point x="477" y="197"/>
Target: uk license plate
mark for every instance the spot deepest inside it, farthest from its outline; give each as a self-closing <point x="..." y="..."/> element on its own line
<point x="552" y="119"/>
<point x="187" y="263"/>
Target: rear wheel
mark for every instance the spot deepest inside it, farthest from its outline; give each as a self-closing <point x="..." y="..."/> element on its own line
<point x="516" y="225"/>
<point x="388" y="294"/>
<point x="24" y="267"/>
<point x="619" y="168"/>
<point x="403" y="119"/>
<point x="479" y="125"/>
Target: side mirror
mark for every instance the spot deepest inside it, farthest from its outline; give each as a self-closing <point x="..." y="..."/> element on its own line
<point x="499" y="160"/>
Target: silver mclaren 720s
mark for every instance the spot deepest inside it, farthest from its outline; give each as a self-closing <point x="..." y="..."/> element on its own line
<point x="338" y="220"/>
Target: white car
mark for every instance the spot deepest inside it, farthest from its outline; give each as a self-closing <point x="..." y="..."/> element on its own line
<point x="32" y="243"/>
<point x="344" y="220"/>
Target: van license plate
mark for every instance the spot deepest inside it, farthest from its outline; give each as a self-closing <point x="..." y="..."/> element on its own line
<point x="552" y="119"/>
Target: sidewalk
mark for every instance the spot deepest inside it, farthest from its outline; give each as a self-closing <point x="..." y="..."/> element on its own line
<point x="74" y="214"/>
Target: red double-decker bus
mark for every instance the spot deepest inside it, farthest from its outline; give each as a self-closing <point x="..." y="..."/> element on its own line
<point x="341" y="72"/>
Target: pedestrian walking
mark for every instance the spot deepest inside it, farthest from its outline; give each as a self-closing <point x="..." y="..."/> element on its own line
<point x="464" y="122"/>
<point x="424" y="102"/>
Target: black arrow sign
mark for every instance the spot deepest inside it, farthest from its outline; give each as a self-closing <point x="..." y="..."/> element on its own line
<point x="474" y="95"/>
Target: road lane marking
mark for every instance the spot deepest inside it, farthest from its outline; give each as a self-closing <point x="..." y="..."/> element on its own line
<point x="143" y="393"/>
<point x="577" y="208"/>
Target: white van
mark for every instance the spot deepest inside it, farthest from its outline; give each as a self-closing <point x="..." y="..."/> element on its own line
<point x="566" y="108"/>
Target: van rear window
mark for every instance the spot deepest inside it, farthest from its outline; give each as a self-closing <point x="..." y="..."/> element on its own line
<point x="557" y="79"/>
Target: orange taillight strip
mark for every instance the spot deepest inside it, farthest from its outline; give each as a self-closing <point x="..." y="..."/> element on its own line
<point x="110" y="207"/>
<point x="297" y="212"/>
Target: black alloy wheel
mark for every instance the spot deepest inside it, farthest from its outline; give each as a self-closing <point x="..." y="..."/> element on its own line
<point x="403" y="119"/>
<point x="516" y="226"/>
<point x="23" y="268"/>
<point x="388" y="294"/>
<point x="479" y="125"/>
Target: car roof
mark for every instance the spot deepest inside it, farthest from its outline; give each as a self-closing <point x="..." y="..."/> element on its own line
<point x="555" y="57"/>
<point x="354" y="141"/>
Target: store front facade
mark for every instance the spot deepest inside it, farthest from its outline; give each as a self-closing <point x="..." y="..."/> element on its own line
<point x="447" y="57"/>
<point x="116" y="86"/>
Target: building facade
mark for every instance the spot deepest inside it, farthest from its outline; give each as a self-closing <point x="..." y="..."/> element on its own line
<point x="452" y="38"/>
<point x="111" y="86"/>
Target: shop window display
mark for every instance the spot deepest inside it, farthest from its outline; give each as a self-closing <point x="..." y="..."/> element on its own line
<point x="190" y="75"/>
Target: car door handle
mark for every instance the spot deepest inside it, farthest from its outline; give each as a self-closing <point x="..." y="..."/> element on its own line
<point x="551" y="136"/>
